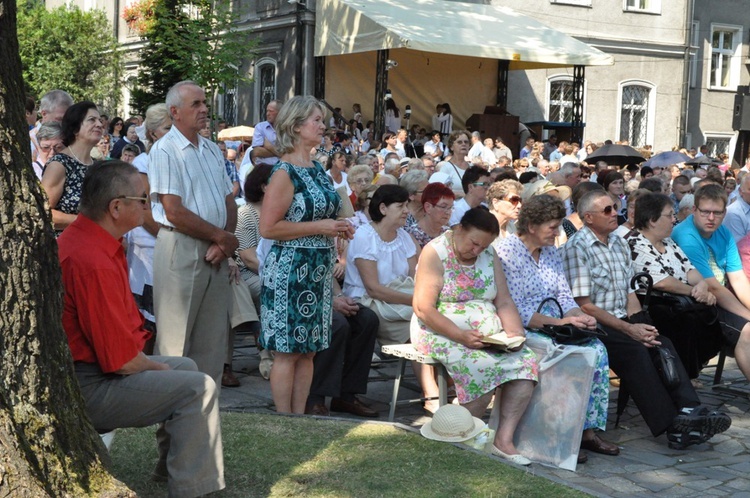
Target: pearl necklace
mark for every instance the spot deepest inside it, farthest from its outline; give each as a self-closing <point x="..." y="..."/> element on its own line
<point x="70" y="149"/>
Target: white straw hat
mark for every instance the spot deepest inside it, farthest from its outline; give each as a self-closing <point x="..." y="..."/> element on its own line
<point x="452" y="424"/>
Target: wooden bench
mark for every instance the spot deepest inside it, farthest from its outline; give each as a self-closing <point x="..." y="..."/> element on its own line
<point x="406" y="352"/>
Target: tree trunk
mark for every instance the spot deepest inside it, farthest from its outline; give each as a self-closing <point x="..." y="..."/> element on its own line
<point x="47" y="445"/>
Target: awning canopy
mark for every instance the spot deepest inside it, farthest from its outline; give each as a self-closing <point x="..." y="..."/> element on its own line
<point x="440" y="26"/>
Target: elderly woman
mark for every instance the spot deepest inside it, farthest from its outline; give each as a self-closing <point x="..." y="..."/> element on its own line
<point x="380" y="267"/>
<point x="654" y="251"/>
<point x="534" y="270"/>
<point x="460" y="296"/>
<point x="437" y="202"/>
<point x="414" y="181"/>
<point x="299" y="215"/>
<point x="504" y="199"/>
<point x="336" y="169"/>
<point x="63" y="174"/>
<point x="130" y="138"/>
<point x="359" y="176"/>
<point x="573" y="222"/>
<point x="362" y="214"/>
<point x="49" y="138"/>
<point x="459" y="144"/>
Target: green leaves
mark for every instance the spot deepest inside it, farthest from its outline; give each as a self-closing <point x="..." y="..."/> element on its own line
<point x="72" y="50"/>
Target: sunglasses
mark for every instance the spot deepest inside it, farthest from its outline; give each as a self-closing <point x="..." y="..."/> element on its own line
<point x="608" y="210"/>
<point x="481" y="184"/>
<point x="515" y="200"/>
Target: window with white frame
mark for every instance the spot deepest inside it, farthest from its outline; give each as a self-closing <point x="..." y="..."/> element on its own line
<point x="636" y="113"/>
<point x="718" y="144"/>
<point x="265" y="85"/>
<point x="695" y="38"/>
<point x="583" y="3"/>
<point x="560" y="99"/>
<point x="726" y="45"/>
<point x="650" y="6"/>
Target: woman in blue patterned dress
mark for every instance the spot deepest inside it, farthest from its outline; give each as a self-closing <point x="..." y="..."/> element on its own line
<point x="299" y="214"/>
<point x="460" y="296"/>
<point x="534" y="271"/>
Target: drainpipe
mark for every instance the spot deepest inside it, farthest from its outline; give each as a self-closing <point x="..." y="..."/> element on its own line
<point x="685" y="102"/>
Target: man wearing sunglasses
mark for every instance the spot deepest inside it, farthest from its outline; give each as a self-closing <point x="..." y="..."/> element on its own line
<point x="475" y="182"/>
<point x="599" y="269"/>
<point x="713" y="251"/>
<point x="121" y="385"/>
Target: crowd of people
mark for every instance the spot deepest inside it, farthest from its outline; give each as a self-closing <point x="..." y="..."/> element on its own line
<point x="324" y="241"/>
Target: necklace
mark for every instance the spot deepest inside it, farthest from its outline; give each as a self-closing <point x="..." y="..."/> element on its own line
<point x="455" y="253"/>
<point x="70" y="149"/>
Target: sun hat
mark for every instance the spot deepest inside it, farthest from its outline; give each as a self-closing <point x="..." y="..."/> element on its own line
<point x="452" y="424"/>
<point x="540" y="187"/>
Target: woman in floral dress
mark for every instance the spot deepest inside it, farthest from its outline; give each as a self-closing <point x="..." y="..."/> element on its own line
<point x="460" y="297"/>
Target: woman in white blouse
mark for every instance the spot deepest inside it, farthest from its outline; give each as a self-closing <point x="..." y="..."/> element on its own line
<point x="336" y="169"/>
<point x="380" y="266"/>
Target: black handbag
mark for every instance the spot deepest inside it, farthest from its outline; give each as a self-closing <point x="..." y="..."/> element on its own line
<point x="567" y="334"/>
<point x="664" y="360"/>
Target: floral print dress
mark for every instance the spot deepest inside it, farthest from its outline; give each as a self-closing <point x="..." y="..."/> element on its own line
<point x="467" y="299"/>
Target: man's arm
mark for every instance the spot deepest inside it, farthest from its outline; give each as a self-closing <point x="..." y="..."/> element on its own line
<point x="737" y="303"/>
<point x="645" y="334"/>
<point x="265" y="150"/>
<point x="141" y="363"/>
<point x="189" y="223"/>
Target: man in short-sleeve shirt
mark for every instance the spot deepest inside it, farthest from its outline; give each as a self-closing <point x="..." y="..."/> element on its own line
<point x="737" y="219"/>
<point x="264" y="137"/>
<point x="713" y="251"/>
<point x="598" y="267"/>
<point x="194" y="205"/>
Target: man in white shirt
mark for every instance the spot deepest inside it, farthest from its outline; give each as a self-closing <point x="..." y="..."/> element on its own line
<point x="479" y="153"/>
<point x="737" y="219"/>
<point x="434" y="147"/>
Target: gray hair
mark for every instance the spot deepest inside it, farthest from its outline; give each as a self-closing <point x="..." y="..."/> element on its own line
<point x="291" y="116"/>
<point x="476" y="134"/>
<point x="54" y="99"/>
<point x="415" y="163"/>
<point x="48" y="131"/>
<point x="386" y="179"/>
<point x="586" y="204"/>
<point x="105" y="181"/>
<point x="567" y="169"/>
<point x="174" y="95"/>
<point x="687" y="201"/>
<point x="391" y="165"/>
<point x="412" y="179"/>
<point x="360" y="169"/>
<point x="155" y="116"/>
<point x="365" y="159"/>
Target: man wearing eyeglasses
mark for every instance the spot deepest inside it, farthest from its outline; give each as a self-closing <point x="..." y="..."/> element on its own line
<point x="713" y="251"/>
<point x="121" y="385"/>
<point x="598" y="267"/>
<point x="475" y="182"/>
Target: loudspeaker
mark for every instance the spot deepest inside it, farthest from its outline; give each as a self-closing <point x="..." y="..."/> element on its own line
<point x="741" y="113"/>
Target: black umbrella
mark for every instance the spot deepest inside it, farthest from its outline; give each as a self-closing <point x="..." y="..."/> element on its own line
<point x="615" y="154"/>
<point x="703" y="161"/>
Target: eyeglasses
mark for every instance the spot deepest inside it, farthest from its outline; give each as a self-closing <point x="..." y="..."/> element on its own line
<point x="481" y="184"/>
<point x="419" y="192"/>
<point x="608" y="210"/>
<point x="56" y="147"/>
<point x="514" y="199"/>
<point x="143" y="200"/>
<point x="361" y="181"/>
<point x="444" y="208"/>
<point x="707" y="213"/>
<point x="670" y="215"/>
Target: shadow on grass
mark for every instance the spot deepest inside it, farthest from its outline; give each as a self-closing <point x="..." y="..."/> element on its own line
<point x="271" y="455"/>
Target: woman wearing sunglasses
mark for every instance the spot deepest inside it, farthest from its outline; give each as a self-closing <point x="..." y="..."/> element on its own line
<point x="504" y="201"/>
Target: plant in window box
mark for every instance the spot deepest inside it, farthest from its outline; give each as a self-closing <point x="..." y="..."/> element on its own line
<point x="140" y="16"/>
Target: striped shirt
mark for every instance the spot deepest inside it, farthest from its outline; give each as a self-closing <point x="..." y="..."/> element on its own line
<point x="195" y="174"/>
<point x="600" y="271"/>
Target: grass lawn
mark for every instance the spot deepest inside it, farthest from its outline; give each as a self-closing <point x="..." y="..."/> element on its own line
<point x="270" y="455"/>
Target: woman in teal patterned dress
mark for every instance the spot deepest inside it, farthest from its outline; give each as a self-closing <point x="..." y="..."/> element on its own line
<point x="299" y="214"/>
<point x="460" y="296"/>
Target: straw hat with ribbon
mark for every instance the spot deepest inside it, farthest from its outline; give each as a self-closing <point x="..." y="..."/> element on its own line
<point x="452" y="424"/>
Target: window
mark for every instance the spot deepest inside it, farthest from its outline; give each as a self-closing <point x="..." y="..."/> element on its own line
<point x="636" y="113"/>
<point x="725" y="57"/>
<point x="583" y="3"/>
<point x="719" y="143"/>
<point x="560" y="100"/>
<point x="694" y="47"/>
<point x="265" y="85"/>
<point x="649" y="6"/>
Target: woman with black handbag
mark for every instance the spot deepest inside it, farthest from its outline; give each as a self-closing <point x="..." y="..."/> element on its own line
<point x="682" y="309"/>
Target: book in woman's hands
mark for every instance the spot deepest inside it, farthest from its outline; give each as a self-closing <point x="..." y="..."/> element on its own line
<point x="501" y="339"/>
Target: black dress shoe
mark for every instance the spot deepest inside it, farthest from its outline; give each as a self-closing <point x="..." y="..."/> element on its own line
<point x="599" y="445"/>
<point x="582" y="457"/>
<point x="355" y="407"/>
<point x="317" y="409"/>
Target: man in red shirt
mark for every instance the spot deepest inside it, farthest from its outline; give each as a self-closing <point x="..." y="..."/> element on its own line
<point x="121" y="385"/>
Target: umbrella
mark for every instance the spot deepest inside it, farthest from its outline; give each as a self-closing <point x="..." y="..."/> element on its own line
<point x="237" y="133"/>
<point x="703" y="161"/>
<point x="614" y="154"/>
<point x="667" y="158"/>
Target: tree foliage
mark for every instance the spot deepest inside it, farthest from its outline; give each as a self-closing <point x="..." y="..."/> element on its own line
<point x="69" y="49"/>
<point x="195" y="40"/>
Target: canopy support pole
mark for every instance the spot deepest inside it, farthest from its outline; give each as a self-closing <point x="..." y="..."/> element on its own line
<point x="503" y="67"/>
<point x="381" y="85"/>
<point x="320" y="78"/>
<point x="576" y="131"/>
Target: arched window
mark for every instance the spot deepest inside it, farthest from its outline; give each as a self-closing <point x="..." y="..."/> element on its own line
<point x="265" y="85"/>
<point x="636" y="113"/>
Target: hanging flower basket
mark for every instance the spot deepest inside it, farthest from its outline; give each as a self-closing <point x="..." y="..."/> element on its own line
<point x="140" y="15"/>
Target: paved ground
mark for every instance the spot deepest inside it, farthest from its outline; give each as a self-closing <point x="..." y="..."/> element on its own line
<point x="645" y="467"/>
